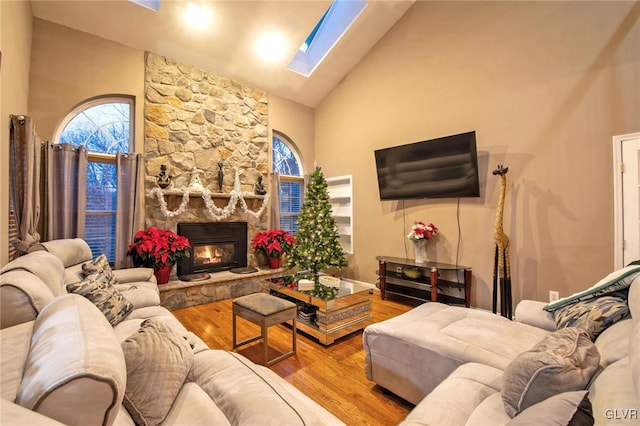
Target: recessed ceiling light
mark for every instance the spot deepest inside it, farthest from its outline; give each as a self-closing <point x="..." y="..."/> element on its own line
<point x="196" y="14"/>
<point x="271" y="46"/>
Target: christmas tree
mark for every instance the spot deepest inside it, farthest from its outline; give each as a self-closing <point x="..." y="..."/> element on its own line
<point x="317" y="245"/>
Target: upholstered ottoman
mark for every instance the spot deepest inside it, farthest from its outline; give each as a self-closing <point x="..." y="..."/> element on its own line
<point x="265" y="310"/>
<point x="412" y="353"/>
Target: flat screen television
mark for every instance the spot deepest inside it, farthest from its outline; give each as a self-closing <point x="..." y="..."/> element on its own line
<point x="445" y="167"/>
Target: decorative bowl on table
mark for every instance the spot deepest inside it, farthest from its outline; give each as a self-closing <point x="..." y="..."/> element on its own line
<point x="412" y="273"/>
<point x="329" y="281"/>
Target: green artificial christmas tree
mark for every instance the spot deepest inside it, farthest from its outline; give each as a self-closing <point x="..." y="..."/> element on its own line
<point x="317" y="246"/>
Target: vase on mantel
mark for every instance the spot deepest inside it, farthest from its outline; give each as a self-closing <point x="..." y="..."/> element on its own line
<point x="419" y="250"/>
<point x="162" y="272"/>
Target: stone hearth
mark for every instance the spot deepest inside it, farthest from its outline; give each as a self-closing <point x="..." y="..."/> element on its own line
<point x="222" y="285"/>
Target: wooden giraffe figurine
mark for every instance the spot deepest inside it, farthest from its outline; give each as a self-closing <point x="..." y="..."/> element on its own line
<point x="502" y="267"/>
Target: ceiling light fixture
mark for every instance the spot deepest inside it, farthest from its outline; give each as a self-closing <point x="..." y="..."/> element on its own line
<point x="196" y="15"/>
<point x="271" y="46"/>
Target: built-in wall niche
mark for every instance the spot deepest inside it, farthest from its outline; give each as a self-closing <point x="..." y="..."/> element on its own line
<point x="340" y="190"/>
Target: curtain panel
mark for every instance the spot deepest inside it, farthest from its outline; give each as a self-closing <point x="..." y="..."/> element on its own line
<point x="66" y="191"/>
<point x="274" y="216"/>
<point x="24" y="159"/>
<point x="129" y="169"/>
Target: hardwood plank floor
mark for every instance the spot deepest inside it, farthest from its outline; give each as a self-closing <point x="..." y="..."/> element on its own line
<point x="333" y="376"/>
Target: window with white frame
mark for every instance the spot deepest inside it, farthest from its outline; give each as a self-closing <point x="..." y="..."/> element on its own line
<point x="287" y="163"/>
<point x="104" y="125"/>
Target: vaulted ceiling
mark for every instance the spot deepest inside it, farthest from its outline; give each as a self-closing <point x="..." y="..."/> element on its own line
<point x="226" y="44"/>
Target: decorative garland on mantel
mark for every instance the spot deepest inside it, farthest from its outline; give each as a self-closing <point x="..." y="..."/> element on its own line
<point x="210" y="208"/>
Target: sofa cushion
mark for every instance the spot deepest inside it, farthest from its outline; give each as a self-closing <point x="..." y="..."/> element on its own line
<point x="615" y="281"/>
<point x="110" y="301"/>
<point x="71" y="251"/>
<point x="563" y="361"/>
<point x="592" y="315"/>
<point x="22" y="297"/>
<point x="564" y="409"/>
<point x="75" y="371"/>
<point x="613" y="343"/>
<point x="158" y="362"/>
<point x="14" y="351"/>
<point x="44" y="265"/>
<point x="100" y="265"/>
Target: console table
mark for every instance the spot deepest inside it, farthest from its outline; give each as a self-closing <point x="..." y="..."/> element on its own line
<point x="420" y="281"/>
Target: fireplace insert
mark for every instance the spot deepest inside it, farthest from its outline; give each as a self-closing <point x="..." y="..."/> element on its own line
<point x="215" y="246"/>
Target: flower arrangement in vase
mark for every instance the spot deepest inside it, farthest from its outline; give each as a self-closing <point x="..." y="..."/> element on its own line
<point x="420" y="234"/>
<point x="159" y="249"/>
<point x="273" y="243"/>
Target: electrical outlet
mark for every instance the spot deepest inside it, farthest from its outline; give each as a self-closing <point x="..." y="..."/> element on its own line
<point x="553" y="296"/>
<point x="399" y="270"/>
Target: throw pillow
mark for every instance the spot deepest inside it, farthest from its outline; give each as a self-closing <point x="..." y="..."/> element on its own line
<point x="594" y="315"/>
<point x="99" y="264"/>
<point x="615" y="281"/>
<point x="158" y="363"/>
<point x="565" y="409"/>
<point x="106" y="297"/>
<point x="563" y="361"/>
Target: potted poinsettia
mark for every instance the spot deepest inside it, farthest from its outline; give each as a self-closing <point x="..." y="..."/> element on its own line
<point x="273" y="243"/>
<point x="159" y="249"/>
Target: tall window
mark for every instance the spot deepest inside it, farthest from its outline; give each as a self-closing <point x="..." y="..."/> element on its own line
<point x="103" y="125"/>
<point x="286" y="162"/>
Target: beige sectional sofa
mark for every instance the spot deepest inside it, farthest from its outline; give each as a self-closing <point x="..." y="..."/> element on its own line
<point x="451" y="362"/>
<point x="63" y="361"/>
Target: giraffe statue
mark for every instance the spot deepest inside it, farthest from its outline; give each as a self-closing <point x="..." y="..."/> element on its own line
<point x="502" y="267"/>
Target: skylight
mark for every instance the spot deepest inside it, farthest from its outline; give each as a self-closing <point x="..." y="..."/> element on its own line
<point x="149" y="4"/>
<point x="327" y="32"/>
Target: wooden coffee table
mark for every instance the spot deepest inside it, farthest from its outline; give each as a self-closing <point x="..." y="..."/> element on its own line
<point x="350" y="311"/>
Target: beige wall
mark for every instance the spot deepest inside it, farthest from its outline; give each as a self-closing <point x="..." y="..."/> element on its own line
<point x="544" y="84"/>
<point x="15" y="45"/>
<point x="69" y="67"/>
<point x="296" y="122"/>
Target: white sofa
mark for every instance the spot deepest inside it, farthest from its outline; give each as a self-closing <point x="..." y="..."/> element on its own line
<point x="62" y="361"/>
<point x="450" y="362"/>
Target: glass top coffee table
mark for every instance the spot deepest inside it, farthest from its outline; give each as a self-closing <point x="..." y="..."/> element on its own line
<point x="327" y="320"/>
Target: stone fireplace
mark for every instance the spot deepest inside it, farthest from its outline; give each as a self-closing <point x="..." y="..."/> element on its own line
<point x="203" y="123"/>
<point x="215" y="246"/>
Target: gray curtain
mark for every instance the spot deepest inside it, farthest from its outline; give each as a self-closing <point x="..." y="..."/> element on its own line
<point x="129" y="169"/>
<point x="275" y="201"/>
<point x="66" y="191"/>
<point x="24" y="159"/>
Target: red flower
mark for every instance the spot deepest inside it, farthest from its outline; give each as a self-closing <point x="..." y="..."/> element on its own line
<point x="273" y="242"/>
<point x="155" y="246"/>
<point x="420" y="230"/>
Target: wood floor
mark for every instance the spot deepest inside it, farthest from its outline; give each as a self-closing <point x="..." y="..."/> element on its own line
<point x="333" y="376"/>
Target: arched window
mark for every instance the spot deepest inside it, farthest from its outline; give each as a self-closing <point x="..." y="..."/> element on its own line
<point x="104" y="125"/>
<point x="287" y="162"/>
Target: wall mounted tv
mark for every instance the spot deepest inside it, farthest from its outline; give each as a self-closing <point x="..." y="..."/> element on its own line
<point x="445" y="167"/>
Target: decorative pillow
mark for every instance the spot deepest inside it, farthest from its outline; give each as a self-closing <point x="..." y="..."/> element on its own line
<point x="158" y="363"/>
<point x="563" y="361"/>
<point x="107" y="298"/>
<point x="593" y="315"/>
<point x="99" y="264"/>
<point x="565" y="409"/>
<point x="615" y="281"/>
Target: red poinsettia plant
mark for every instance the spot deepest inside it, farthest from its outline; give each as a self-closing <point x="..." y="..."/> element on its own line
<point x="274" y="242"/>
<point x="153" y="246"/>
<point x="421" y="230"/>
